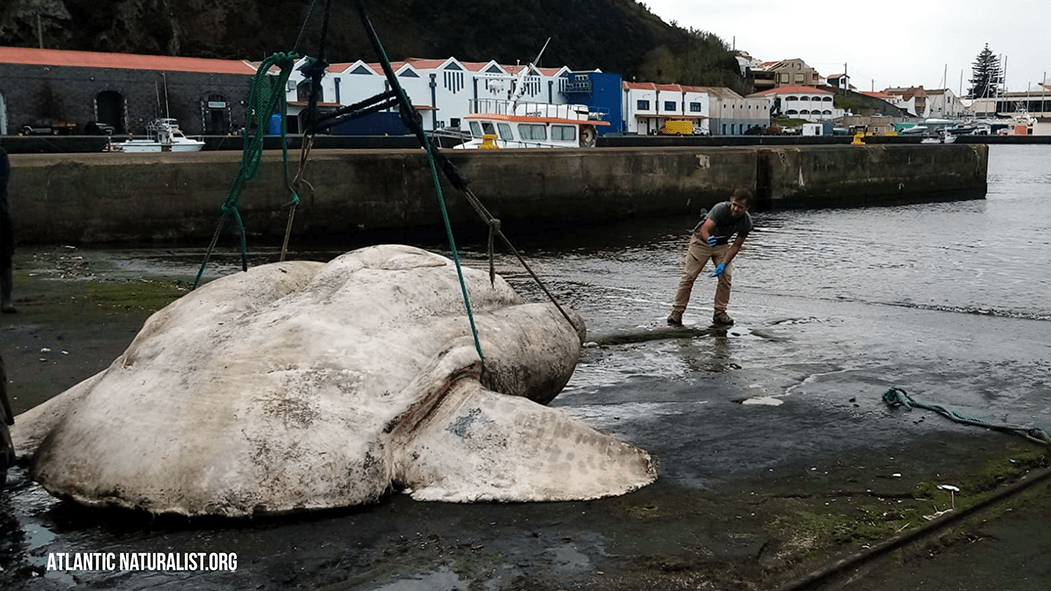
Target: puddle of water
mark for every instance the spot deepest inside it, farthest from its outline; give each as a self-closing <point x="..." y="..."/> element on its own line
<point x="604" y="414"/>
<point x="763" y="401"/>
<point x="443" y="579"/>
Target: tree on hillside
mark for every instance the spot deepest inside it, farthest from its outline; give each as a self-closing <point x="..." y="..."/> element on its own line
<point x="985" y="75"/>
<point x="699" y="59"/>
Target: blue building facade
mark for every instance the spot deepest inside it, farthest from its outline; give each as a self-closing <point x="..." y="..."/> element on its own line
<point x="602" y="93"/>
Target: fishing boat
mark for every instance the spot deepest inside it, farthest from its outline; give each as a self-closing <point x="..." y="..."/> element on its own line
<point x="162" y="135"/>
<point x="498" y="124"/>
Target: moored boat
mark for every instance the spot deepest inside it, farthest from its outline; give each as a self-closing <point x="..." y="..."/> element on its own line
<point x="506" y="124"/>
<point x="163" y="135"/>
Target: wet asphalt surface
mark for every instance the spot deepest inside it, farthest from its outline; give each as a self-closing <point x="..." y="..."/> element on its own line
<point x="730" y="469"/>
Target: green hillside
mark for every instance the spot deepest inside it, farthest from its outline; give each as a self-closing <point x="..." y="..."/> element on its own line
<point x="619" y="36"/>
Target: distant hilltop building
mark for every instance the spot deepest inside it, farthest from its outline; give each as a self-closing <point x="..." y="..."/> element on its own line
<point x="941" y="103"/>
<point x="802" y="102"/>
<point x="794" y="72"/>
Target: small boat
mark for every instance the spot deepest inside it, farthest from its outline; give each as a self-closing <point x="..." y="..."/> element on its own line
<point x="509" y="124"/>
<point x="941" y="136"/>
<point x="163" y="135"/>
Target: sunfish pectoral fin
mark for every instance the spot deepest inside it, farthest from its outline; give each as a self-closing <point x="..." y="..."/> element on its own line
<point x="479" y="445"/>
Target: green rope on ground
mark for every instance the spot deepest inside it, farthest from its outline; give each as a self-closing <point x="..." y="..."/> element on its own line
<point x="265" y="98"/>
<point x="898" y="397"/>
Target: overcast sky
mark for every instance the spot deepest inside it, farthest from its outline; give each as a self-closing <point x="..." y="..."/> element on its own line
<point x="927" y="42"/>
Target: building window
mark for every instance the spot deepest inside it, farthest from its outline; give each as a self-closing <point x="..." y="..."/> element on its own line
<point x="695" y="107"/>
<point x="670" y="106"/>
<point x="453" y="81"/>
<point x="800" y="78"/>
<point x="642" y="105"/>
<point x="303" y="92"/>
<point x="827" y="99"/>
<point x="792" y="98"/>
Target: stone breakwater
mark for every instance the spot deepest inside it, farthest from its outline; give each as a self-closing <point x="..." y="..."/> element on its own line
<point x="103" y="198"/>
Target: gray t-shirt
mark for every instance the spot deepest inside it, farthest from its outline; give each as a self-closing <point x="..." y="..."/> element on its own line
<point x="726" y="225"/>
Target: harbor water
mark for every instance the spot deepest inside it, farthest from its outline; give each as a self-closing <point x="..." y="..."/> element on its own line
<point x="950" y="301"/>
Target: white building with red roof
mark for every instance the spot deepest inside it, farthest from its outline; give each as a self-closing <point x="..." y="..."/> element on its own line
<point x="802" y="102"/>
<point x="648" y="106"/>
<point x="443" y="89"/>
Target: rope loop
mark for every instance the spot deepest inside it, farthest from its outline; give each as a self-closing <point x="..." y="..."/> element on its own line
<point x="898" y="397"/>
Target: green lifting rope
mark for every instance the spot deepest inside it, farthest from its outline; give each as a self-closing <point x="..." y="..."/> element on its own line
<point x="266" y="98"/>
<point x="898" y="397"/>
<point x="411" y="116"/>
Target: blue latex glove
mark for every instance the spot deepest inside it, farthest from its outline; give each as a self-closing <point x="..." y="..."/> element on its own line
<point x="718" y="270"/>
<point x="713" y="239"/>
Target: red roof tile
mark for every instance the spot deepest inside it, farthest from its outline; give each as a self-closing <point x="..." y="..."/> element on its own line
<point x="127" y="61"/>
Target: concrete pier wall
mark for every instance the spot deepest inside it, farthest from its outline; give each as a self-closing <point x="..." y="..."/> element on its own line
<point x="879" y="174"/>
<point x="112" y="197"/>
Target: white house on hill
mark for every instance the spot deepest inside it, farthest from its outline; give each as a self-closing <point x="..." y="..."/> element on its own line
<point x="802" y="102"/>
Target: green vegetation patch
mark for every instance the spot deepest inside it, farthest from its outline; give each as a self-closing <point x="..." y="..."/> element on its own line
<point x="642" y="511"/>
<point x="138" y="294"/>
<point x="817" y="524"/>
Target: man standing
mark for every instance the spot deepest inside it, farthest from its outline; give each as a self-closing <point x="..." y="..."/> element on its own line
<point x="7" y="237"/>
<point x="710" y="240"/>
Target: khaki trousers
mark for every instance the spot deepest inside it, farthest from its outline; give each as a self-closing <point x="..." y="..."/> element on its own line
<point x="696" y="257"/>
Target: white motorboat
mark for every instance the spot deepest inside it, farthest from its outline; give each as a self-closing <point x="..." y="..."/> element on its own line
<point x="505" y="124"/>
<point x="163" y="135"/>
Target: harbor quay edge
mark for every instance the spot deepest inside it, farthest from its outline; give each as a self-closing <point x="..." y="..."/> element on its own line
<point x="104" y="198"/>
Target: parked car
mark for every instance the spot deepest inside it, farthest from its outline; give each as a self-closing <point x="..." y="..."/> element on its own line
<point x="39" y="127"/>
<point x="7" y="418"/>
<point x="99" y="128"/>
